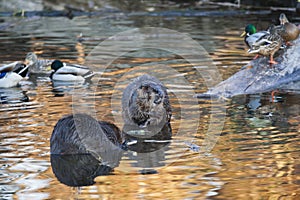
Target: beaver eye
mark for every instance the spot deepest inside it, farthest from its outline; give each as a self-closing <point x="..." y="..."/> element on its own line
<point x="158" y="99"/>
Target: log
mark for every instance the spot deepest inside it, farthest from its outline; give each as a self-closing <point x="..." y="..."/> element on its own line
<point x="259" y="76"/>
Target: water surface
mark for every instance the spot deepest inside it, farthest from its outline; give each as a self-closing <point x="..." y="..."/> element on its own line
<point x="257" y="153"/>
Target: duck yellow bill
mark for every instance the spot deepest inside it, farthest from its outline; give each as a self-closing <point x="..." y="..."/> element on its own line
<point x="48" y="68"/>
<point x="243" y="34"/>
<point x="26" y="62"/>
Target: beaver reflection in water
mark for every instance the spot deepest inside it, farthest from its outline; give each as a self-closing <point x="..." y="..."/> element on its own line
<point x="145" y="103"/>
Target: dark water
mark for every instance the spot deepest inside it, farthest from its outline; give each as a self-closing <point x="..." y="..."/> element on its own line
<point x="257" y="151"/>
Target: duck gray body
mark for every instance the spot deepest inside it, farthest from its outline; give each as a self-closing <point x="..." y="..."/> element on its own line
<point x="252" y="39"/>
<point x="66" y="72"/>
<point x="37" y="66"/>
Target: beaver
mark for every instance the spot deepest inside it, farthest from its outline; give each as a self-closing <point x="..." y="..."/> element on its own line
<point x="82" y="134"/>
<point x="145" y="102"/>
<point x="146" y="113"/>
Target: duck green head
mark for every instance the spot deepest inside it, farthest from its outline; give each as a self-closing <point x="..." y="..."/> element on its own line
<point x="56" y="64"/>
<point x="249" y="30"/>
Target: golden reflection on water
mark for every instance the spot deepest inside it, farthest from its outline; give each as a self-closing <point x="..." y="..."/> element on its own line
<point x="256" y="156"/>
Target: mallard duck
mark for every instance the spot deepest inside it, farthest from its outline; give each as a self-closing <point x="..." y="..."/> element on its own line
<point x="288" y="31"/>
<point x="268" y="45"/>
<point x="251" y="36"/>
<point x="70" y="72"/>
<point x="36" y="65"/>
<point x="11" y="74"/>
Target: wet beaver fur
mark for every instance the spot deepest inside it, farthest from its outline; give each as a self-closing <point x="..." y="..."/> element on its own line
<point x="145" y="102"/>
<point x="82" y="134"/>
<point x="146" y="113"/>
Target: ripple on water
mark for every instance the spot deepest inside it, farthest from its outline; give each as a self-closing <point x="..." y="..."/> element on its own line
<point x="257" y="152"/>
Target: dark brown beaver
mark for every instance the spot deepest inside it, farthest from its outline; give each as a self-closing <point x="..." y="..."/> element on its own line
<point x="145" y="102"/>
<point x="82" y="134"/>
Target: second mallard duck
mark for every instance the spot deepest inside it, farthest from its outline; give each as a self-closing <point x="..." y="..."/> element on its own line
<point x="288" y="31"/>
<point x="35" y="65"/>
<point x="70" y="72"/>
<point x="268" y="44"/>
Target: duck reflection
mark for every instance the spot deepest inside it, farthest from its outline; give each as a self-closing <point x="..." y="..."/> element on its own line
<point x="13" y="95"/>
<point x="83" y="148"/>
<point x="60" y="88"/>
<point x="265" y="111"/>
